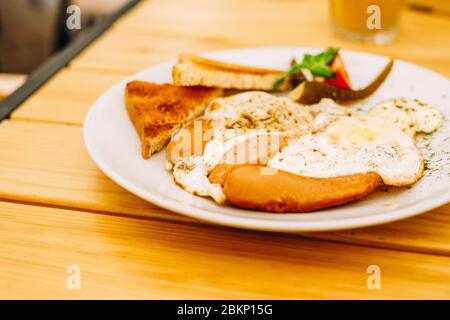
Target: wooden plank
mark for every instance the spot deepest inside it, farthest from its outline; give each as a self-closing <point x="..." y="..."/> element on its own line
<point x="162" y="29"/>
<point x="47" y="163"/>
<point x="418" y="234"/>
<point x="144" y="38"/>
<point x="152" y="253"/>
<point x="433" y="6"/>
<point x="67" y="97"/>
<point x="128" y="258"/>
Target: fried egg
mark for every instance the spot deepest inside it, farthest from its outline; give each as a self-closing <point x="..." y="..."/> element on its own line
<point x="354" y="145"/>
<point x="192" y="175"/>
<point x="411" y="115"/>
<point x="326" y="112"/>
<point x="232" y="146"/>
<point x="250" y="128"/>
<point x="325" y="140"/>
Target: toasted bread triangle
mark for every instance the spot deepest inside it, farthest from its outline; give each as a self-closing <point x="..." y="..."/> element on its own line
<point x="158" y="110"/>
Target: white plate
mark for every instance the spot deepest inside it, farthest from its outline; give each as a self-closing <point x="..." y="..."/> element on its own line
<point x="113" y="143"/>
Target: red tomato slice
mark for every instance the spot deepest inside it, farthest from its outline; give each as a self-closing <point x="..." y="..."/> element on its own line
<point x="341" y="79"/>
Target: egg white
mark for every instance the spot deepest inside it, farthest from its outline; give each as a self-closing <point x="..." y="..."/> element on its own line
<point x="242" y="117"/>
<point x="411" y="115"/>
<point x="326" y="139"/>
<point x="354" y="145"/>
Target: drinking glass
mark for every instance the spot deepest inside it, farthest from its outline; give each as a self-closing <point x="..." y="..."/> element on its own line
<point x="373" y="21"/>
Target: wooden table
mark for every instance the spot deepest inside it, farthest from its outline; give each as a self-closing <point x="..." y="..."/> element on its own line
<point x="58" y="210"/>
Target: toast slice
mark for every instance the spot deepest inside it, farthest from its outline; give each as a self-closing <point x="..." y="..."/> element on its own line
<point x="197" y="71"/>
<point x="158" y="110"/>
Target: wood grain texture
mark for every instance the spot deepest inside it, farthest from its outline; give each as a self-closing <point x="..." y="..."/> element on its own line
<point x="66" y="97"/>
<point x="138" y="258"/>
<point x="160" y="29"/>
<point x="435" y="6"/>
<point x="50" y="165"/>
<point x="128" y="248"/>
<point x="157" y="31"/>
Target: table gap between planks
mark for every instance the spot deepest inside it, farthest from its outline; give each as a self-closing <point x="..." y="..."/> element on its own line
<point x="58" y="209"/>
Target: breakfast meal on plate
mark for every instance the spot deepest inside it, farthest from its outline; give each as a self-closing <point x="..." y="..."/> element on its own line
<point x="296" y="151"/>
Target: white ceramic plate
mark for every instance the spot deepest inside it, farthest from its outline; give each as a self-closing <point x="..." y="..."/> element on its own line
<point x="113" y="143"/>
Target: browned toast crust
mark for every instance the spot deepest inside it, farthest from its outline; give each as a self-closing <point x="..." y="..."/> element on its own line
<point x="208" y="63"/>
<point x="193" y="70"/>
<point x="157" y="110"/>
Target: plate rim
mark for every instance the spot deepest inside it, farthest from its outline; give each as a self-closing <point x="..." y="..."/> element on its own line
<point x="251" y="223"/>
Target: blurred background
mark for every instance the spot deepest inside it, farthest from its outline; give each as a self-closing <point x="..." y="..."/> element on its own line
<point x="32" y="30"/>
